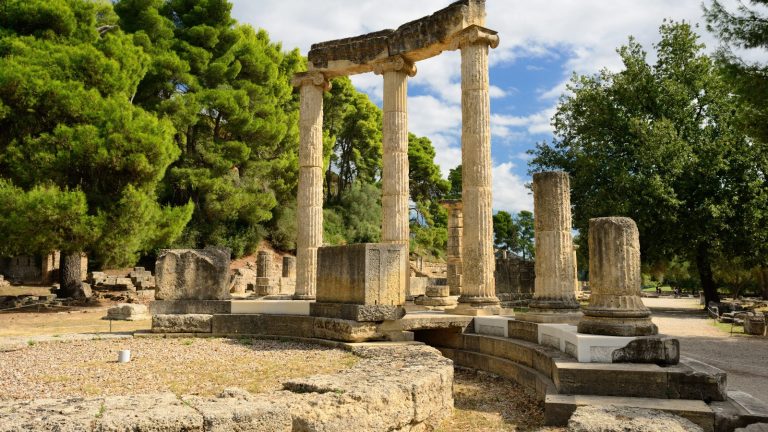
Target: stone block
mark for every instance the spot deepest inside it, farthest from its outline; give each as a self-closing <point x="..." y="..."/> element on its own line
<point x="754" y="325"/>
<point x="193" y="274"/>
<point x="653" y="349"/>
<point x="145" y="294"/>
<point x="208" y="307"/>
<point x="492" y="326"/>
<point x="365" y="274"/>
<point x="692" y="379"/>
<point x="272" y="325"/>
<point x="189" y="323"/>
<point x="345" y="330"/>
<point x="524" y="330"/>
<point x="235" y="413"/>
<point x="417" y="286"/>
<point x="128" y="312"/>
<point x="354" y="312"/>
<point x="271" y="307"/>
<point x="147" y="412"/>
<point x="438" y="291"/>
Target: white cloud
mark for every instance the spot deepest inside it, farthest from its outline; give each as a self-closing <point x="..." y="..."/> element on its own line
<point x="509" y="191"/>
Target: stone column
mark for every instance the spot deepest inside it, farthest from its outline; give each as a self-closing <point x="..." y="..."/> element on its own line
<point x="455" y="227"/>
<point x="478" y="296"/>
<point x="263" y="264"/>
<point x="289" y="267"/>
<point x="310" y="197"/>
<point x="615" y="307"/>
<point x="394" y="173"/>
<point x="553" y="297"/>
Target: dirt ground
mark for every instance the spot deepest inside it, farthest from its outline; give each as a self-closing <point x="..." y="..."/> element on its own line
<point x="203" y="366"/>
<point x="70" y="320"/>
<point x="742" y="356"/>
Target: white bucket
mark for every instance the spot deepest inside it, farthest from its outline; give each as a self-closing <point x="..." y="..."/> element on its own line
<point x="124" y="356"/>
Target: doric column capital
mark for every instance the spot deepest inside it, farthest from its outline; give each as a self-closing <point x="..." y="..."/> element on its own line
<point x="474" y="34"/>
<point x="311" y="78"/>
<point x="394" y="63"/>
<point x="452" y="204"/>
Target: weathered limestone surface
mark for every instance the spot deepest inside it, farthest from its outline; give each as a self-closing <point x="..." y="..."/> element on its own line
<point x="478" y="260"/>
<point x="189" y="323"/>
<point x="390" y="388"/>
<point x="615" y="307"/>
<point x="309" y="209"/>
<point x="453" y="252"/>
<point x="365" y="274"/>
<point x="417" y="40"/>
<point x="240" y="280"/>
<point x="128" y="312"/>
<point x="206" y="307"/>
<point x="620" y="419"/>
<point x="554" y="285"/>
<point x="192" y="274"/>
<point x="395" y="190"/>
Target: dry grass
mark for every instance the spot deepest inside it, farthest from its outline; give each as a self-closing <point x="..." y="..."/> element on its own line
<point x="182" y="366"/>
<point x="488" y="403"/>
<point x="77" y="320"/>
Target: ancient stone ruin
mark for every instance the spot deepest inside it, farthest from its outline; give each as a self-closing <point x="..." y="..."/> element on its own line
<point x="394" y="54"/>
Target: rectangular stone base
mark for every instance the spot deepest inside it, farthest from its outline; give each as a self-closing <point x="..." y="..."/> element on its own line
<point x="569" y="317"/>
<point x="355" y="312"/>
<point x="271" y="307"/>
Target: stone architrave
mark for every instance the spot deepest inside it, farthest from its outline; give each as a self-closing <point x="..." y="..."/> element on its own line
<point x="394" y="173"/>
<point x="453" y="252"/>
<point x="192" y="274"/>
<point x="310" y="195"/>
<point x="615" y="307"/>
<point x="554" y="299"/>
<point x="478" y="296"/>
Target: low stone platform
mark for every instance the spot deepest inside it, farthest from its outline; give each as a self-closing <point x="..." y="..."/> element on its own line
<point x="391" y="387"/>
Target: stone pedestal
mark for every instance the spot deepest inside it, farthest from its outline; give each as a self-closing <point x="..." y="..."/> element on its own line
<point x="615" y="307"/>
<point x="453" y="252"/>
<point x="309" y="209"/>
<point x="362" y="282"/>
<point x="394" y="173"/>
<point x="553" y="300"/>
<point x="477" y="281"/>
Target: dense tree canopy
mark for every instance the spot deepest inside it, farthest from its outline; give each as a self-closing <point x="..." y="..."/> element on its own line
<point x="227" y="90"/>
<point x="663" y="144"/>
<point x="71" y="141"/>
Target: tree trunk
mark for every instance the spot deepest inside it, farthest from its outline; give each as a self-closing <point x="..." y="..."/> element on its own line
<point x="762" y="277"/>
<point x="71" y="274"/>
<point x="705" y="275"/>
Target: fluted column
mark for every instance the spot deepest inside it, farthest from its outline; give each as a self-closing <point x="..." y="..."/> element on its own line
<point x="553" y="296"/>
<point x="478" y="261"/>
<point x="310" y="197"/>
<point x="615" y="307"/>
<point x="394" y="175"/>
<point x="453" y="252"/>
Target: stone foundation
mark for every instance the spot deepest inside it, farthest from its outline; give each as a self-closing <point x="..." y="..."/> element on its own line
<point x="391" y="388"/>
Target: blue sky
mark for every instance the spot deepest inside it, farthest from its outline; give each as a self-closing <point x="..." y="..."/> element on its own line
<point x="542" y="43"/>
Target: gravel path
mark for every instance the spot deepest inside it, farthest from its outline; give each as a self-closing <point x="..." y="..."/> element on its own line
<point x="744" y="358"/>
<point x="183" y="366"/>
